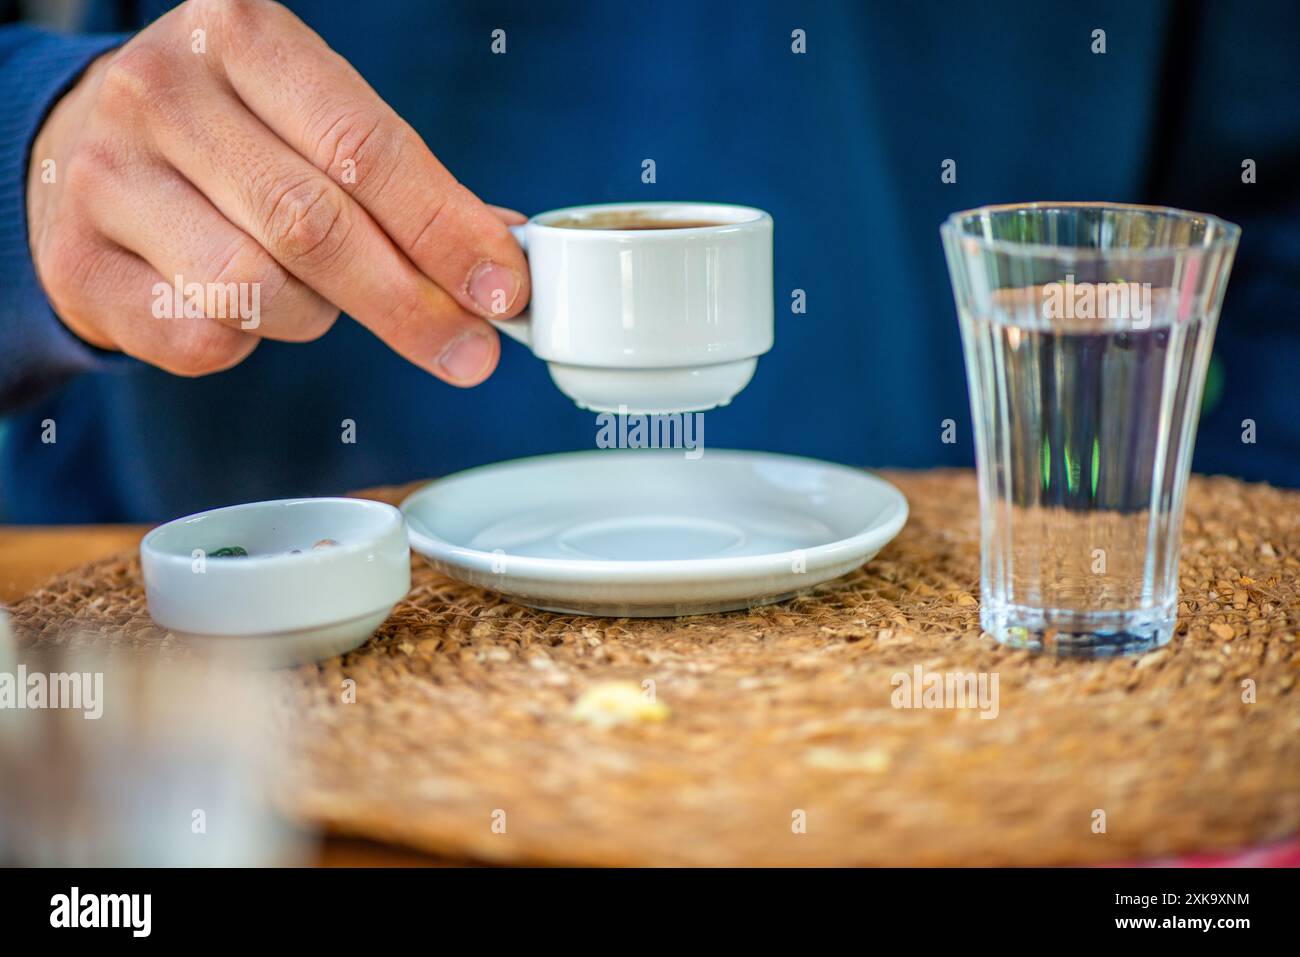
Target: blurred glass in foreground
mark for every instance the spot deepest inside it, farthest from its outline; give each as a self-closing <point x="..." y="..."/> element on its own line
<point x="133" y="759"/>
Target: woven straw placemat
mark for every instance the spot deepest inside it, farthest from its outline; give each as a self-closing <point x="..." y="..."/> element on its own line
<point x="780" y="743"/>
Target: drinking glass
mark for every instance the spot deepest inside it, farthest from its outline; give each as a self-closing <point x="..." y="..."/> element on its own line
<point x="1087" y="329"/>
<point x="170" y="762"/>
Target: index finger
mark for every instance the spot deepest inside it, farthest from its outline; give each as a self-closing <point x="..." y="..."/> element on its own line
<point x="327" y="112"/>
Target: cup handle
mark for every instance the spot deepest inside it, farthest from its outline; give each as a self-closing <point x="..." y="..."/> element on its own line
<point x="520" y="328"/>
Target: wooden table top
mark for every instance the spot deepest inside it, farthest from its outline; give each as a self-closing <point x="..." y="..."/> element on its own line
<point x="1219" y="537"/>
<point x="31" y="554"/>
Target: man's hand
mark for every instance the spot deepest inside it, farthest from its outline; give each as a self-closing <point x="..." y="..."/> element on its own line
<point x="228" y="144"/>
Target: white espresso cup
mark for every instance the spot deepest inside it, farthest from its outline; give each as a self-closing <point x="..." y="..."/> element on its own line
<point x="652" y="318"/>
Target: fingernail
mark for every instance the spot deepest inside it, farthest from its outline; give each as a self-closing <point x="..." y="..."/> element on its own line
<point x="493" y="287"/>
<point x="467" y="356"/>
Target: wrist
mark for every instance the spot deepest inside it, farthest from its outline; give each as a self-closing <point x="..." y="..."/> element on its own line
<point x="36" y="69"/>
<point x="50" y="149"/>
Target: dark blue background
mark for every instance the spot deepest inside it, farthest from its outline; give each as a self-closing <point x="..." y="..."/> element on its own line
<point x="842" y="144"/>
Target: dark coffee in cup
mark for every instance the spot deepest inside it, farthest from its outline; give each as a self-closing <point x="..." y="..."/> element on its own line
<point x="625" y="219"/>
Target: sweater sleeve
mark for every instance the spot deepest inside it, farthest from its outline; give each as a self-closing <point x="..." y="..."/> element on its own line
<point x="37" y="352"/>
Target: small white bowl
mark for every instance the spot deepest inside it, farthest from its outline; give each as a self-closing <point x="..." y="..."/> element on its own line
<point x="275" y="607"/>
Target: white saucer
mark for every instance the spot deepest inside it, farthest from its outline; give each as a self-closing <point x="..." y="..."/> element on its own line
<point x="645" y="533"/>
